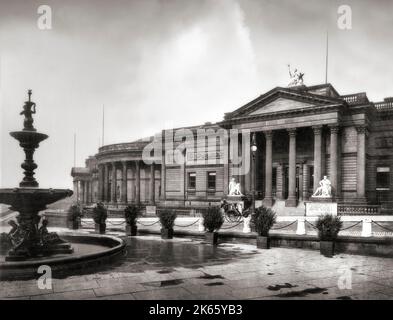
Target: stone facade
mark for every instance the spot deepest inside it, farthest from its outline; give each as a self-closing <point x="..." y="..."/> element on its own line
<point x="301" y="133"/>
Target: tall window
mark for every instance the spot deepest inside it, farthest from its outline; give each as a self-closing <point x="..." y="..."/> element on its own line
<point x="191" y="180"/>
<point x="211" y="180"/>
<point x="383" y="178"/>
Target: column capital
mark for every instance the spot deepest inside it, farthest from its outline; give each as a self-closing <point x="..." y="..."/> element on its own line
<point x="317" y="129"/>
<point x="334" y="128"/>
<point x="292" y="132"/>
<point x="124" y="163"/>
<point x="268" y="134"/>
<point x="361" y="129"/>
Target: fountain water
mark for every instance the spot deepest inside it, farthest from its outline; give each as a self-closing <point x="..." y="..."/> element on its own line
<point x="26" y="239"/>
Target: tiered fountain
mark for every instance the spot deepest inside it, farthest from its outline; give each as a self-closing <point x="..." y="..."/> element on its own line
<point x="27" y="240"/>
<point x="29" y="244"/>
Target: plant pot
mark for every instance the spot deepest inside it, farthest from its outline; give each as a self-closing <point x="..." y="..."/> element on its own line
<point x="211" y="237"/>
<point x="166" y="233"/>
<point x="263" y="242"/>
<point x="131" y="230"/>
<point x="75" y="224"/>
<point x="326" y="248"/>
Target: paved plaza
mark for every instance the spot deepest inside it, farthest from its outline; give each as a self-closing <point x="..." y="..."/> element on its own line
<point x="187" y="268"/>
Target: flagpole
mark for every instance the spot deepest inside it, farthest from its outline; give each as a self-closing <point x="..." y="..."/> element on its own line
<point x="327" y="57"/>
<point x="103" y="124"/>
<point x="74" y="150"/>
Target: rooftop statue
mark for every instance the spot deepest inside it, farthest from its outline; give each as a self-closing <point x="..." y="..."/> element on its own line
<point x="296" y="77"/>
<point x="325" y="189"/>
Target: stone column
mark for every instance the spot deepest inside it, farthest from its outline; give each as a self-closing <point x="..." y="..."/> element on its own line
<point x="292" y="201"/>
<point x="87" y="191"/>
<point x="306" y="176"/>
<point x="82" y="192"/>
<point x="137" y="182"/>
<point x="152" y="184"/>
<point x="100" y="182"/>
<point x="268" y="200"/>
<point x="334" y="159"/>
<point x="124" y="182"/>
<point x="361" y="164"/>
<point x="317" y="155"/>
<point x="106" y="182"/>
<point x="113" y="183"/>
<point x="76" y="187"/>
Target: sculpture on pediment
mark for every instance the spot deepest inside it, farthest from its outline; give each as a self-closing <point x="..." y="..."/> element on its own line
<point x="296" y="77"/>
<point x="324" y="190"/>
<point x="234" y="188"/>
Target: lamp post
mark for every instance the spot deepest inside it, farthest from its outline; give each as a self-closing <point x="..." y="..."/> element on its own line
<point x="254" y="149"/>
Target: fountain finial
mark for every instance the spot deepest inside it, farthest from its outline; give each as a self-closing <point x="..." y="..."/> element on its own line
<point x="28" y="111"/>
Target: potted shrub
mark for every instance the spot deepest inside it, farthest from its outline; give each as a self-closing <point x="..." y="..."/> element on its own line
<point x="212" y="221"/>
<point x="167" y="220"/>
<point x="328" y="228"/>
<point x="74" y="216"/>
<point x="99" y="216"/>
<point x="263" y="220"/>
<point x="131" y="213"/>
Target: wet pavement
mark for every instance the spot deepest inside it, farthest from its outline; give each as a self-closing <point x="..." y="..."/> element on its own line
<point x="185" y="268"/>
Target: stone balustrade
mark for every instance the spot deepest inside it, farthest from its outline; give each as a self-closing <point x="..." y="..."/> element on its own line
<point x="358" y="210"/>
<point x="357" y="98"/>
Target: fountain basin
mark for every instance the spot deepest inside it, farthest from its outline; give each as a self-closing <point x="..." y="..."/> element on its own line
<point x="32" y="199"/>
<point x="89" y="251"/>
<point x="27" y="137"/>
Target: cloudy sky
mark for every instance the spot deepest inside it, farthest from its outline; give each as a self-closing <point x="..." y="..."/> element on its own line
<point x="156" y="64"/>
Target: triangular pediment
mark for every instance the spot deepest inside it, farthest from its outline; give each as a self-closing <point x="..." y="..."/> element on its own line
<point x="281" y="100"/>
<point x="281" y="104"/>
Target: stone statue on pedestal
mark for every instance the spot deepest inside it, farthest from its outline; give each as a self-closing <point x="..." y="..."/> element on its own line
<point x="28" y="111"/>
<point x="234" y="188"/>
<point x="296" y="77"/>
<point x="325" y="189"/>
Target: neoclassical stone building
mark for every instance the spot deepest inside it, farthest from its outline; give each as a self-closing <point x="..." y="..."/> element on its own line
<point x="301" y="134"/>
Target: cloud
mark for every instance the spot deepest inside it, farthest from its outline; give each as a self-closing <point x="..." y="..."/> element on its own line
<point x="157" y="62"/>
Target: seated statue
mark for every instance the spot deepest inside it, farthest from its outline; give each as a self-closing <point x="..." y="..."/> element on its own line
<point x="13" y="238"/>
<point x="46" y="237"/>
<point x="325" y="189"/>
<point x="234" y="188"/>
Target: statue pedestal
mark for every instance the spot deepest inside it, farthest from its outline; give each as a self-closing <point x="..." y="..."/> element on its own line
<point x="321" y="206"/>
<point x="321" y="199"/>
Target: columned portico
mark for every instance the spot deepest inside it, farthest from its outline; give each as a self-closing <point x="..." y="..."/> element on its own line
<point x="268" y="200"/>
<point x="292" y="200"/>
<point x="302" y="134"/>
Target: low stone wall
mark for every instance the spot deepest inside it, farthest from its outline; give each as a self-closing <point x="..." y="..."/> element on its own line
<point x="372" y="246"/>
